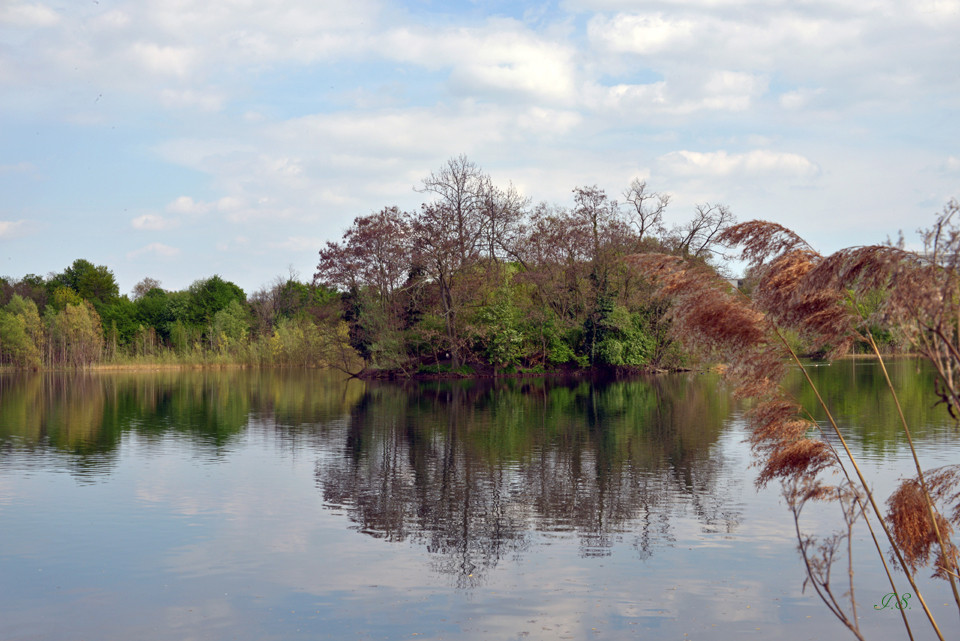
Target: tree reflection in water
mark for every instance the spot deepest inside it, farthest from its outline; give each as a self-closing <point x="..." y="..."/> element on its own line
<point x="473" y="470"/>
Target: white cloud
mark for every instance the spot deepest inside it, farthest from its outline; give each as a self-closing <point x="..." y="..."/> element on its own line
<point x="10" y="229"/>
<point x="800" y="98"/>
<point x="187" y="206"/>
<point x="500" y="56"/>
<point x="721" y="90"/>
<point x="23" y="14"/>
<point x="936" y="12"/>
<point x="435" y="133"/>
<point x="548" y="122"/>
<point x="516" y="62"/>
<point x="642" y="34"/>
<point x="156" y="249"/>
<point x="721" y="164"/>
<point x="164" y="60"/>
<point x="152" y="222"/>
<point x="299" y="243"/>
<point x="229" y="203"/>
<point x="191" y="99"/>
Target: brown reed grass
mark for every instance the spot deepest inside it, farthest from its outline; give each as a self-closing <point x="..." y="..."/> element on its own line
<point x="818" y="297"/>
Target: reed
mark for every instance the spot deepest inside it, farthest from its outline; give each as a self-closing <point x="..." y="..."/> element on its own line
<point x="818" y="298"/>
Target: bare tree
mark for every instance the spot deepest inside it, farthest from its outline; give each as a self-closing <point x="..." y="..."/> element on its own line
<point x="645" y="208"/>
<point x="698" y="237"/>
<point x="503" y="212"/>
<point x="462" y="189"/>
<point x="144" y="286"/>
<point x="442" y="255"/>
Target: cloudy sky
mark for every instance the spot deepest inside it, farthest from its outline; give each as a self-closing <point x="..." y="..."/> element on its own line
<point x="177" y="139"/>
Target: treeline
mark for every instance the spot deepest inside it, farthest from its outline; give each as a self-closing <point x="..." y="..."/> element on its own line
<point x="77" y="318"/>
<point x="477" y="280"/>
<point x="480" y="279"/>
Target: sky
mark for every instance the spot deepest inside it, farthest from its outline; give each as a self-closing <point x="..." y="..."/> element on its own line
<point x="179" y="139"/>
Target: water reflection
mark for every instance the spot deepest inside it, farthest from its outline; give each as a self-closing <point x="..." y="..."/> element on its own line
<point x="254" y="505"/>
<point x="80" y="418"/>
<point x="469" y="470"/>
<point x="857" y="394"/>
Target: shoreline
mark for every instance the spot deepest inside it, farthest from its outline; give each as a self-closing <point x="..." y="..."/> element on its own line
<point x="484" y="373"/>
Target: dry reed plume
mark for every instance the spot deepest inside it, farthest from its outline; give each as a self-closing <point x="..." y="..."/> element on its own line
<point x="821" y="298"/>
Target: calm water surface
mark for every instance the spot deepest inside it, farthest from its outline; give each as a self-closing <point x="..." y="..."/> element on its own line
<point x="297" y="505"/>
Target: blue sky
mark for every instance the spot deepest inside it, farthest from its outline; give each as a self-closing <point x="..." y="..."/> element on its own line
<point x="177" y="139"/>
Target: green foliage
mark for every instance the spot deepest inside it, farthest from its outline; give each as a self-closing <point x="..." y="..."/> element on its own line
<point x="121" y="317"/>
<point x="445" y="368"/>
<point x="16" y="345"/>
<point x="294" y="297"/>
<point x="75" y="335"/>
<point x="230" y="327"/>
<point x="92" y="282"/>
<point x="623" y="339"/>
<point x="209" y="296"/>
<point x="867" y="306"/>
<point x="26" y="309"/>
<point x="63" y="296"/>
<point x="183" y="336"/>
<point x="298" y="342"/>
<point x="559" y="348"/>
<point x="154" y="309"/>
<point x="500" y="337"/>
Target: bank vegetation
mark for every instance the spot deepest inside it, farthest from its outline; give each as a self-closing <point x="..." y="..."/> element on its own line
<point x="477" y="281"/>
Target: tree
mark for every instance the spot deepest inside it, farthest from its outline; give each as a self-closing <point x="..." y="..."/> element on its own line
<point x="443" y="255"/>
<point x="144" y="286"/>
<point x="93" y="282"/>
<point x="370" y="266"/>
<point x="375" y="253"/>
<point x="609" y="241"/>
<point x="21" y="333"/>
<point x="556" y="251"/>
<point x="503" y="210"/>
<point x="27" y="310"/>
<point x="646" y="208"/>
<point x="698" y="237"/>
<point x="153" y="309"/>
<point x="76" y="335"/>
<point x="462" y="191"/>
<point x="230" y="326"/>
<point x="119" y="320"/>
<point x="63" y="296"/>
<point x="208" y="296"/>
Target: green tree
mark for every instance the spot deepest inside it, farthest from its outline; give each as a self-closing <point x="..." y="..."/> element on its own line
<point x="94" y="283"/>
<point x="16" y="345"/>
<point x="26" y="309"/>
<point x="209" y="296"/>
<point x="119" y="319"/>
<point x="76" y="335"/>
<point x="623" y="338"/>
<point x="154" y="309"/>
<point x="61" y="296"/>
<point x="500" y="335"/>
<point x="230" y="326"/>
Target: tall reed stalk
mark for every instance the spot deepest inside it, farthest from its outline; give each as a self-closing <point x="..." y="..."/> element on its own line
<point x="798" y="289"/>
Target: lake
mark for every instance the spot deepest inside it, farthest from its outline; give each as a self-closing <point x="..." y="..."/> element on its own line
<point x="239" y="504"/>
